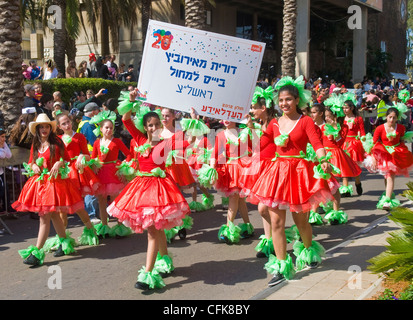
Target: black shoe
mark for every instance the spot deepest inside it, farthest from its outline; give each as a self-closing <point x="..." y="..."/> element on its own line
<point x="278" y="278"/>
<point x="31" y="260"/>
<point x="141" y="286"/>
<point x="334" y="222"/>
<point x="165" y="274"/>
<point x="359" y="189"/>
<point x="261" y="254"/>
<point x="182" y="234"/>
<point x="59" y="252"/>
<point x="312" y="265"/>
<point x="346" y="195"/>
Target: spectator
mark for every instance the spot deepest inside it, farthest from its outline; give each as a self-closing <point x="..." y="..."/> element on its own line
<point x="57" y="109"/>
<point x="90" y="97"/>
<point x="50" y="71"/>
<point x="71" y="71"/>
<point x="57" y="97"/>
<point x="38" y="91"/>
<point x="35" y="70"/>
<point x="112" y="66"/>
<point x="25" y="71"/>
<point x="128" y="76"/>
<point x="46" y="105"/>
<point x="29" y="104"/>
<point x="92" y="65"/>
<point x="84" y="71"/>
<point x="19" y="134"/>
<point x="102" y="68"/>
<point x="5" y="153"/>
<point x="86" y="128"/>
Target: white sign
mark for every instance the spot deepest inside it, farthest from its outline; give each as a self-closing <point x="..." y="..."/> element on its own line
<point x="213" y="73"/>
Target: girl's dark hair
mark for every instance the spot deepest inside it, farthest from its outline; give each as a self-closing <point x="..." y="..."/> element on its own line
<point x="320" y="108"/>
<point x="391" y="109"/>
<point x="53" y="141"/>
<point x="271" y="112"/>
<point x="352" y="107"/>
<point x="46" y="97"/>
<point x="149" y="115"/>
<point x="293" y="91"/>
<point x="20" y="135"/>
<point x="340" y="120"/>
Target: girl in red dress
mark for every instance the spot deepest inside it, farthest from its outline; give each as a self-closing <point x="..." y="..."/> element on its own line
<point x="106" y="149"/>
<point x="288" y="182"/>
<point x="353" y="145"/>
<point x="82" y="176"/>
<point x="152" y="201"/>
<point x="230" y="156"/>
<point x="389" y="156"/>
<point x="48" y="191"/>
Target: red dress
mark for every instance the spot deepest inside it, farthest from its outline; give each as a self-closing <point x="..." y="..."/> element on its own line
<point x="86" y="181"/>
<point x="54" y="195"/>
<point x="110" y="182"/>
<point x="339" y="158"/>
<point x="288" y="182"/>
<point x="179" y="169"/>
<point x="231" y="157"/>
<point x="352" y="144"/>
<point x="392" y="155"/>
<point x="196" y="159"/>
<point x="153" y="197"/>
<point x="260" y="160"/>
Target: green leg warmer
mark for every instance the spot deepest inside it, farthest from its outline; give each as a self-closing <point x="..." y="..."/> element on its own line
<point x="33" y="250"/>
<point x="208" y="202"/>
<point x="345" y="189"/>
<point x="68" y="245"/>
<point x="120" y="230"/>
<point x="164" y="264"/>
<point x="265" y="246"/>
<point x="390" y="202"/>
<point x="152" y="278"/>
<point x="306" y="256"/>
<point x="284" y="267"/>
<point x="102" y="230"/>
<point x="292" y="233"/>
<point x="196" y="206"/>
<point x="229" y="233"/>
<point x="315" y="218"/>
<point x="247" y="230"/>
<point x="170" y="234"/>
<point x="88" y="237"/>
<point x="336" y="216"/>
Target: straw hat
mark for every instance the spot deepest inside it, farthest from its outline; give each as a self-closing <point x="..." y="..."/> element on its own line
<point x="41" y="119"/>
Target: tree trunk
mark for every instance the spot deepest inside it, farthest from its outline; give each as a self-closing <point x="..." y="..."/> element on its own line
<point x="11" y="78"/>
<point x="59" y="40"/>
<point x="71" y="49"/>
<point x="146" y="15"/>
<point x="195" y="16"/>
<point x="288" y="53"/>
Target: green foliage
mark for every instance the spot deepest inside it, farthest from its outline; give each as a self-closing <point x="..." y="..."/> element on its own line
<point x="388" y="294"/>
<point x="397" y="260"/>
<point x="68" y="86"/>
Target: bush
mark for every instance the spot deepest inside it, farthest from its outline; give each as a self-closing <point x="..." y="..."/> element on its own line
<point x="68" y="86"/>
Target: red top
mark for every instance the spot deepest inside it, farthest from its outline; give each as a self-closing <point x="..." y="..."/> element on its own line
<point x="355" y="127"/>
<point x="267" y="147"/>
<point x="224" y="149"/>
<point x="47" y="163"/>
<point x="304" y="131"/>
<point x="114" y="147"/>
<point x="330" y="142"/>
<point x="381" y="134"/>
<point x="156" y="155"/>
<point x="77" y="146"/>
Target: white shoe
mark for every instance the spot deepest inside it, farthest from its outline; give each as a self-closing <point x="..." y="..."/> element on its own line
<point x="95" y="221"/>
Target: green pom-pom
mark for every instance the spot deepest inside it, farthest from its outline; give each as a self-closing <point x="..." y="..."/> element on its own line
<point x="284" y="267"/>
<point x="392" y="202"/>
<point x="38" y="253"/>
<point x="102" y="230"/>
<point x="315" y="218"/>
<point x="206" y="174"/>
<point x="247" y="230"/>
<point x="345" y="189"/>
<point x="196" y="206"/>
<point x="51" y="244"/>
<point x="224" y="201"/>
<point x="152" y="278"/>
<point x="265" y="246"/>
<point x="328" y="206"/>
<point x="292" y="233"/>
<point x="194" y="127"/>
<point x="163" y="264"/>
<point x="230" y="232"/>
<point x="170" y="234"/>
<point x="306" y="256"/>
<point x="336" y="215"/>
<point x="120" y="230"/>
<point x="208" y="202"/>
<point x="88" y="237"/>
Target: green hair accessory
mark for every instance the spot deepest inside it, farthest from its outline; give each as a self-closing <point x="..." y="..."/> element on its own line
<point x="299" y="83"/>
<point x="267" y="94"/>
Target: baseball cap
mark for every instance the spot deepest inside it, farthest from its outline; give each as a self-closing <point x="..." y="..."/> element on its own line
<point x="28" y="87"/>
<point x="91" y="106"/>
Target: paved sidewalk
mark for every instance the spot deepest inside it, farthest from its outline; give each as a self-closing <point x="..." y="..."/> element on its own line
<point x="338" y="277"/>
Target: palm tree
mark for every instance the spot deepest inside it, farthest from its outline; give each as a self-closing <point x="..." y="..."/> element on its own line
<point x="195" y="14"/>
<point x="11" y="79"/>
<point x="59" y="40"/>
<point x="111" y="14"/>
<point x="288" y="52"/>
<point x="146" y="15"/>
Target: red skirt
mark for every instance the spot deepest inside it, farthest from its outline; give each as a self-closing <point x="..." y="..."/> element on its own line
<point x="398" y="163"/>
<point x="150" y="201"/>
<point x="181" y="173"/>
<point x="342" y="160"/>
<point x="109" y="181"/>
<point x="289" y="183"/>
<point x="229" y="178"/>
<point x="355" y="149"/>
<point x="250" y="175"/>
<point x="55" y="195"/>
<point x="87" y="181"/>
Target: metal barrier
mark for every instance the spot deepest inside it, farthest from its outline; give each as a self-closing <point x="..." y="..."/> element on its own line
<point x="10" y="167"/>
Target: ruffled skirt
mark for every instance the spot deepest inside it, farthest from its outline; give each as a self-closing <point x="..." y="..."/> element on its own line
<point x="355" y="149"/>
<point x="87" y="181"/>
<point x="56" y="195"/>
<point x="289" y="183"/>
<point x="229" y="176"/>
<point x="342" y="160"/>
<point x="181" y="173"/>
<point x="110" y="183"/>
<point x="398" y="163"/>
<point x="150" y="201"/>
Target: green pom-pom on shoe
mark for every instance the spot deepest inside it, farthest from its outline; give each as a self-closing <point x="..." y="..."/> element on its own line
<point x="170" y="234"/>
<point x="102" y="230"/>
<point x="307" y="256"/>
<point x="229" y="233"/>
<point x="265" y="246"/>
<point x="292" y="233"/>
<point x="196" y="206"/>
<point x="346" y="189"/>
<point x="315" y="218"/>
<point x="120" y="230"/>
<point x="284" y="267"/>
<point x="88" y="237"/>
<point x="164" y="264"/>
<point x="152" y="278"/>
<point x="247" y="230"/>
<point x="68" y="245"/>
<point x="33" y="250"/>
<point x="208" y="202"/>
<point x="336" y="217"/>
<point x="388" y="203"/>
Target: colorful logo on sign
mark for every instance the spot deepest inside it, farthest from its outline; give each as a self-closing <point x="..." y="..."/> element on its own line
<point x="163" y="39"/>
